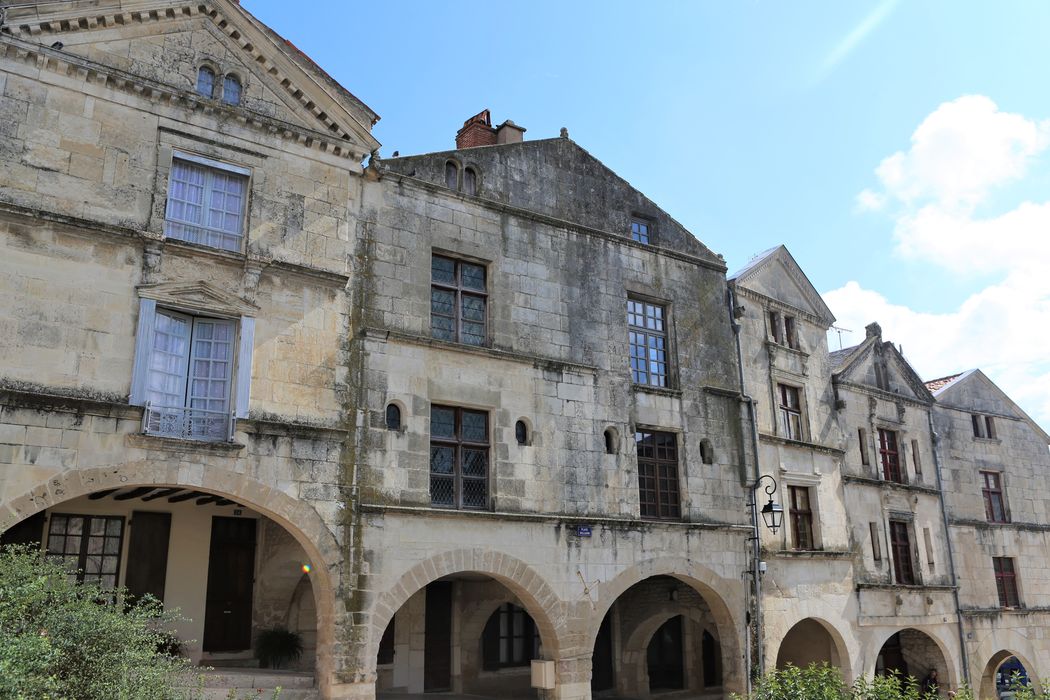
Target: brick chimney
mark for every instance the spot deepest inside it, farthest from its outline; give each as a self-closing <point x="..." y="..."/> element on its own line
<point x="478" y="131"/>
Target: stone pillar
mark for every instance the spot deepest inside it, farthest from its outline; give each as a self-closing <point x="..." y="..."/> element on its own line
<point x="573" y="680"/>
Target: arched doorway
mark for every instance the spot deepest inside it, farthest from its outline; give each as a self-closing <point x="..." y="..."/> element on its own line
<point x="915" y="654"/>
<point x="1000" y="674"/>
<point x="474" y="632"/>
<point x="810" y="641"/>
<point x="660" y="635"/>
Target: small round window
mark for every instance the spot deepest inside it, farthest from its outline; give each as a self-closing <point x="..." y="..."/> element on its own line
<point x="393" y="417"/>
<point x="521" y="432"/>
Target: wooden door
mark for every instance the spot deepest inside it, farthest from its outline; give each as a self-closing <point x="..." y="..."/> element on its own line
<point x="231" y="578"/>
<point x="666" y="671"/>
<point x="602" y="677"/>
<point x="437" y="643"/>
<point x="147" y="567"/>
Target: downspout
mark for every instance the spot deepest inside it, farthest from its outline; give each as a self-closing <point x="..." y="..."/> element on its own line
<point x="756" y="554"/>
<point x="948" y="535"/>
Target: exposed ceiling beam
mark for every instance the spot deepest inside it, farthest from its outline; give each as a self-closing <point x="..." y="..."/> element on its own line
<point x="163" y="493"/>
<point x="102" y="494"/>
<point x="134" y="493"/>
<point x="209" y="499"/>
<point x="186" y="496"/>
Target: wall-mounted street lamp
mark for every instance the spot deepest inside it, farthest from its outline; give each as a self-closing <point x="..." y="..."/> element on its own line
<point x="772" y="512"/>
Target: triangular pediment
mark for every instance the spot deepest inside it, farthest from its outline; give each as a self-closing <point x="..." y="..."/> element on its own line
<point x="866" y="362"/>
<point x="166" y="42"/>
<point x="775" y="274"/>
<point x="198" y="296"/>
<point x="974" y="391"/>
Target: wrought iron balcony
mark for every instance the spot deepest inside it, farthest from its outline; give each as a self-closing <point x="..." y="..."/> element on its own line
<point x="187" y="423"/>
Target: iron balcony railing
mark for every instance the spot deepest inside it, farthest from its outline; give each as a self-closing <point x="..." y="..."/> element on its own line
<point x="188" y="423"/>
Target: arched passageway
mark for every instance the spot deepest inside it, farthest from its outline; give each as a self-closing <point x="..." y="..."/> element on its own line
<point x="232" y="571"/>
<point x="1001" y="672"/>
<point x="660" y="635"/>
<point x="915" y="654"/>
<point x="466" y="633"/>
<point x="811" y="641"/>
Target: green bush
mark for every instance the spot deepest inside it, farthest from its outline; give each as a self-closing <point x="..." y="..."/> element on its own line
<point x="61" y="640"/>
<point x="825" y="682"/>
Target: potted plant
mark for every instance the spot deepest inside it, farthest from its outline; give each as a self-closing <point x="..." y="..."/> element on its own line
<point x="276" y="646"/>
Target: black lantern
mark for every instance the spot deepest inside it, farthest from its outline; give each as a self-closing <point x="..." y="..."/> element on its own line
<point x="772" y="512"/>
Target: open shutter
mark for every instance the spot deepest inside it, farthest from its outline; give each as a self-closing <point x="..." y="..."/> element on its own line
<point x="244" y="367"/>
<point x="143" y="349"/>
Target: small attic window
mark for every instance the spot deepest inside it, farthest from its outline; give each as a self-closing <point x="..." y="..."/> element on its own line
<point x="206" y="82"/>
<point x="231" y="90"/>
<point x="451" y="175"/>
<point x="640" y="230"/>
<point x="470" y="180"/>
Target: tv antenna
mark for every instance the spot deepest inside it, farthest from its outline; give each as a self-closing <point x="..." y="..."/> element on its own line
<point x="840" y="330"/>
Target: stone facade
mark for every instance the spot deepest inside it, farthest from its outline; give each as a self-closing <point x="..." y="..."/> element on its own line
<point x="485" y="419"/>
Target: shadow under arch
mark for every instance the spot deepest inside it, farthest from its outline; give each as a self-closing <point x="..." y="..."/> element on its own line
<point x="993" y="651"/>
<point x="712" y="588"/>
<point x="947" y="664"/>
<point x="842" y="662"/>
<point x="634" y="657"/>
<point x="536" y="596"/>
<point x="298" y="518"/>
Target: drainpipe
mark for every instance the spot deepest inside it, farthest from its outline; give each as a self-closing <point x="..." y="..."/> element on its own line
<point x="756" y="554"/>
<point x="948" y="535"/>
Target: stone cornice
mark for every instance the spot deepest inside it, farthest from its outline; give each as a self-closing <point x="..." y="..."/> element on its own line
<point x="550" y="220"/>
<point x="879" y="393"/>
<point x="882" y="483"/>
<point x="778" y="305"/>
<point x="902" y="587"/>
<point x="606" y="521"/>
<point x="34" y="215"/>
<point x="68" y="64"/>
<point x="815" y="447"/>
<point x="538" y="361"/>
<point x="985" y="525"/>
<point x="993" y="612"/>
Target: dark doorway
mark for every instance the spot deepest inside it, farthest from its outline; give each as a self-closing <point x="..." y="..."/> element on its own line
<point x="148" y="553"/>
<point x="891" y="658"/>
<point x="666" y="670"/>
<point x="437" y="642"/>
<point x="231" y="574"/>
<point x="602" y="677"/>
<point x="711" y="656"/>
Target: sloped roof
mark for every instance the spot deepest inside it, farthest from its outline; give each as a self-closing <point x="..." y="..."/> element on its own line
<point x="838" y="358"/>
<point x="935" y="385"/>
<point x="845" y="361"/>
<point x="957" y="380"/>
<point x="788" y="267"/>
<point x="754" y="263"/>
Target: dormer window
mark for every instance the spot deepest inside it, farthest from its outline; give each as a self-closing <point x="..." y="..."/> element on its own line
<point x="451" y="175"/>
<point x="640" y="230"/>
<point x="206" y="82"/>
<point x="231" y="90"/>
<point x="470" y="181"/>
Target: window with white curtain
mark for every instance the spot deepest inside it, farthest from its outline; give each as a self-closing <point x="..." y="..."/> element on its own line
<point x="206" y="202"/>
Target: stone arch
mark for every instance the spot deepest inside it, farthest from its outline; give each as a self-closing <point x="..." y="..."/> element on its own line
<point x="840" y="653"/>
<point x="297" y="517"/>
<point x="995" y="648"/>
<point x="713" y="588"/>
<point x="633" y="661"/>
<point x="950" y="675"/>
<point x="522" y="580"/>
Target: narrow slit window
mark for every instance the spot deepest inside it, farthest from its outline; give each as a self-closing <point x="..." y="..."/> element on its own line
<point x="521" y="432"/>
<point x="470" y="181"/>
<point x="862" y="439"/>
<point x="915" y="461"/>
<point x="393" y="417"/>
<point x="451" y="175"/>
<point x="876" y="543"/>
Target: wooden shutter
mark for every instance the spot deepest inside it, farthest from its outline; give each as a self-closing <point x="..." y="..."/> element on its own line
<point x="143" y="349"/>
<point x="244" y="367"/>
<point x="148" y="553"/>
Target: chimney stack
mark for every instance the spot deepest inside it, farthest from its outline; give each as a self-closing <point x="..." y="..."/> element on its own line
<point x="478" y="131"/>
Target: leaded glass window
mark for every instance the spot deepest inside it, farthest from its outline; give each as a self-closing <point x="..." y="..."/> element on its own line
<point x="647" y="334"/>
<point x="459" y="458"/>
<point x="458" y="300"/>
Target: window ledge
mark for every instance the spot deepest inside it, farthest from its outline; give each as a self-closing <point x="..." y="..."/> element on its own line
<point x="991" y="612"/>
<point x="904" y="587"/>
<point x="988" y="441"/>
<point x="813" y="553"/>
<point x="155" y="442"/>
<point x="222" y="253"/>
<point x="777" y="347"/>
<point x="658" y="390"/>
<point x="890" y="484"/>
<point x="769" y="437"/>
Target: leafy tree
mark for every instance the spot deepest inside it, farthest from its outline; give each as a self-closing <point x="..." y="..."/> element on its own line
<point x="825" y="682"/>
<point x="62" y="640"/>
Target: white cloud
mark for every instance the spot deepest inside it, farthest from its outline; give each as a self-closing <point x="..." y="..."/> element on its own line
<point x="959" y="155"/>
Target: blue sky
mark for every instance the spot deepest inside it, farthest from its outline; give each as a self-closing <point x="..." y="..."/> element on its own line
<point x="899" y="149"/>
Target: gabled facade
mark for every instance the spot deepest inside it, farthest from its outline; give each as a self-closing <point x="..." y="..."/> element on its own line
<point x="995" y="461"/>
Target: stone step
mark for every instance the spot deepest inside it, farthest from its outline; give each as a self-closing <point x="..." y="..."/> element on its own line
<point x="253" y="683"/>
<point x="254" y="694"/>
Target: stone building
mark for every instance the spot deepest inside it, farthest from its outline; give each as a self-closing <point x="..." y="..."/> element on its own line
<point x="484" y="420"/>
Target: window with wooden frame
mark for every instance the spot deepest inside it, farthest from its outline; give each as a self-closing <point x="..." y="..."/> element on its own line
<point x="206" y="202"/>
<point x="1006" y="582"/>
<point x="983" y="426"/>
<point x="658" y="492"/>
<point x="790" y="411"/>
<point x="994" y="503"/>
<point x="510" y="639"/>
<point x="89" y="546"/>
<point x="459" y="458"/>
<point x="458" y="300"/>
<point x="801" y="514"/>
<point x="900" y="548"/>
<point x="647" y="337"/>
<point x="889" y="456"/>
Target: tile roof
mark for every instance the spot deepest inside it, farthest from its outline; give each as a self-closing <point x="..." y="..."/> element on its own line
<point x="837" y="358"/>
<point x="937" y="384"/>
